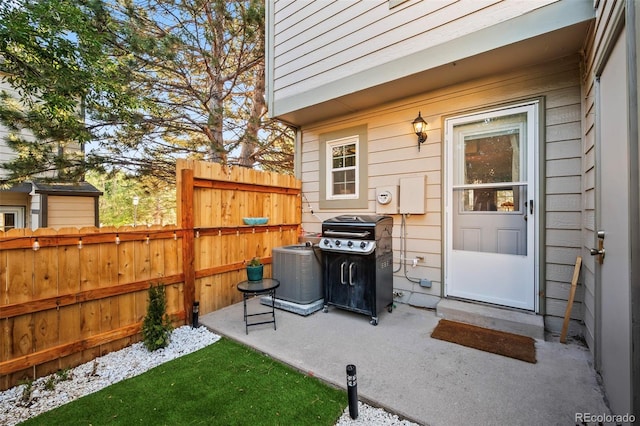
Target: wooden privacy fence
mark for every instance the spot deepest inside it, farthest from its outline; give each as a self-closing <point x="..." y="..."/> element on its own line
<point x="213" y="199"/>
<point x="70" y="295"/>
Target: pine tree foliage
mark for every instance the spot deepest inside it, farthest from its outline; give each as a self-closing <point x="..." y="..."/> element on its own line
<point x="140" y="82"/>
<point x="156" y="327"/>
<point x="52" y="57"/>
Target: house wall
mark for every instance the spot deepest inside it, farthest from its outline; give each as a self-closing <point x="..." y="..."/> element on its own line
<point x="392" y="154"/>
<point x="309" y="47"/>
<point x="595" y="49"/>
<point x="35" y="218"/>
<point x="13" y="199"/>
<point x="304" y="60"/>
<point x="67" y="211"/>
<point x="16" y="199"/>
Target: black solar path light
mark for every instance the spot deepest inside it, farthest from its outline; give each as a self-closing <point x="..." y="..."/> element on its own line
<point x="352" y="391"/>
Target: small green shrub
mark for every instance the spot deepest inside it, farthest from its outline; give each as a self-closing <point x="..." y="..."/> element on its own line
<point x="27" y="391"/>
<point x="156" y="327"/>
<point x="50" y="384"/>
<point x="64" y="375"/>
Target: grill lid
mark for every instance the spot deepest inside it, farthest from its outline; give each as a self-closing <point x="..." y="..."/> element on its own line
<point x="356" y="234"/>
<point x="354" y="219"/>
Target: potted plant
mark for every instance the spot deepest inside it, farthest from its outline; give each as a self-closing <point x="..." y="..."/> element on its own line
<point x="254" y="269"/>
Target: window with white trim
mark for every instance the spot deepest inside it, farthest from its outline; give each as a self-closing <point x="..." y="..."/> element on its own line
<point x="342" y="171"/>
<point x="11" y="218"/>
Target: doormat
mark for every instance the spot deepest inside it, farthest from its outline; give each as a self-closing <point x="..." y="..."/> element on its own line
<point x="485" y="339"/>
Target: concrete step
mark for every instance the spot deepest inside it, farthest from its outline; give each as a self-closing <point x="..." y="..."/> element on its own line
<point x="496" y="318"/>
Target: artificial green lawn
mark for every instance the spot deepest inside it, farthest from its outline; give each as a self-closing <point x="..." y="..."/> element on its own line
<point x="222" y="384"/>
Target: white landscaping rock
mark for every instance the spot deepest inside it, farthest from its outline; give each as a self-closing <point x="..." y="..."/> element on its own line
<point x="371" y="416"/>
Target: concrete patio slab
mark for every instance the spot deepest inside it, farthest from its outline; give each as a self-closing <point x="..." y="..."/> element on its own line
<point x="403" y="370"/>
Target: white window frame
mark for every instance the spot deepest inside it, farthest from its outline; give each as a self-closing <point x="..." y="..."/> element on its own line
<point x="19" y="216"/>
<point x="331" y="144"/>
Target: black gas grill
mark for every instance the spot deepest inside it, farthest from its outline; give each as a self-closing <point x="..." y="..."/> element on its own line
<point x="358" y="263"/>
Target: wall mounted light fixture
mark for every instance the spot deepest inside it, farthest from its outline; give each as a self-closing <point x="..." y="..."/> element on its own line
<point x="420" y="127"/>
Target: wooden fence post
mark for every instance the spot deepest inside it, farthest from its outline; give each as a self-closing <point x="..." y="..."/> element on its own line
<point x="188" y="242"/>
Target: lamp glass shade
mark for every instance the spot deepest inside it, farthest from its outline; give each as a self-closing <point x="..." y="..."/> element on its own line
<point x="419" y="125"/>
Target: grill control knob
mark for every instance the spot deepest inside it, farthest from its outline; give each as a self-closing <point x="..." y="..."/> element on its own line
<point x="363" y="245"/>
<point x="326" y="242"/>
<point x="337" y="243"/>
<point x="350" y="244"/>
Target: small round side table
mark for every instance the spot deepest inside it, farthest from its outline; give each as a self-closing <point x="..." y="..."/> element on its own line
<point x="249" y="289"/>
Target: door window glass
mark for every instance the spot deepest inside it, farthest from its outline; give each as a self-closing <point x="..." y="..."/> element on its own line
<point x="489" y="156"/>
<point x="490" y="184"/>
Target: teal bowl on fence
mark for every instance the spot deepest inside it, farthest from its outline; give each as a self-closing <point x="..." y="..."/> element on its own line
<point x="255" y="220"/>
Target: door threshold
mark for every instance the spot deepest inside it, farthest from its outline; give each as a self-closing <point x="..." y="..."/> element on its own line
<point x="497" y="318"/>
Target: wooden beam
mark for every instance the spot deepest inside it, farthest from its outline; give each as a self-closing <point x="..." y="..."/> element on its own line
<point x="60" y="351"/>
<point x="60" y="240"/>
<point x="40" y="357"/>
<point x="231" y="267"/>
<point x="240" y="186"/>
<point x="572" y="295"/>
<point x="188" y="242"/>
<point x="38" y="305"/>
<point x="230" y="230"/>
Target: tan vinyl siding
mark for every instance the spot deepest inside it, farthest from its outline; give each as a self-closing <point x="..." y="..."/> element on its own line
<point x="70" y="211"/>
<point x="563" y="211"/>
<point x="594" y="51"/>
<point x="319" y="42"/>
<point x="393" y="154"/>
<point x="14" y="199"/>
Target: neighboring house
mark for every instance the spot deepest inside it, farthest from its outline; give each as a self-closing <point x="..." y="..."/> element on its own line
<point x="47" y="204"/>
<point x="531" y="150"/>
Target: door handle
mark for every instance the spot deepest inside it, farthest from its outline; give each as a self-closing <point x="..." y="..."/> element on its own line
<point x="342" y="267"/>
<point x="351" y="266"/>
<point x="600" y="250"/>
<point x="528" y="204"/>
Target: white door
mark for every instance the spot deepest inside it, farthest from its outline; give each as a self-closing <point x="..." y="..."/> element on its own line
<point x="612" y="220"/>
<point x="490" y="206"/>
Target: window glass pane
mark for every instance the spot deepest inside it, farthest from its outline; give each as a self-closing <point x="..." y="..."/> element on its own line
<point x="7" y="221"/>
<point x="343" y="172"/>
<point x="490" y="199"/>
<point x="350" y="150"/>
<point x="491" y="159"/>
<point x="350" y="175"/>
<point x="350" y="161"/>
<point x="490" y="150"/>
<point x="10" y="220"/>
<point x="339" y="176"/>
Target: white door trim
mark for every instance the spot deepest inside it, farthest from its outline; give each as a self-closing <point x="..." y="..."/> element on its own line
<point x="533" y="140"/>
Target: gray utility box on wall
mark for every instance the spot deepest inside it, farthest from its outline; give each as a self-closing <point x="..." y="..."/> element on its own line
<point x="299" y="273"/>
